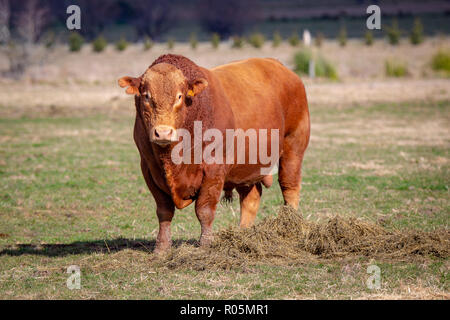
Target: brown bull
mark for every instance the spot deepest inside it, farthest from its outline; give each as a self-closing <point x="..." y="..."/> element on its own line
<point x="174" y="92"/>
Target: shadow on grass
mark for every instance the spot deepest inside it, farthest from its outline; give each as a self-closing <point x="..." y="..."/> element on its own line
<point x="81" y="247"/>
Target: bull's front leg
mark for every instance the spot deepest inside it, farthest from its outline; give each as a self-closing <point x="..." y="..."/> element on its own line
<point x="205" y="206"/>
<point x="164" y="238"/>
<point x="165" y="210"/>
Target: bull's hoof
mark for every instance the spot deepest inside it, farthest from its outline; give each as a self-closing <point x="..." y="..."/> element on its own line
<point x="206" y="240"/>
<point x="162" y="247"/>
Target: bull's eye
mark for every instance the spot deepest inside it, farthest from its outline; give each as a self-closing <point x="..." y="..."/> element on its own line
<point x="146" y="96"/>
<point x="178" y="101"/>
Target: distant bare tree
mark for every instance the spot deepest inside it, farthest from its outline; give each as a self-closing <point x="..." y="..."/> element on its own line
<point x="31" y="20"/>
<point x="5" y="14"/>
<point x="12" y="53"/>
<point x="153" y="17"/>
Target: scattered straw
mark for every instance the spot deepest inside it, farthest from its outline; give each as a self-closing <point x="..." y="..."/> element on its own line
<point x="288" y="239"/>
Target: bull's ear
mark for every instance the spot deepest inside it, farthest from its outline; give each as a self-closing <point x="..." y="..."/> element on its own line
<point x="197" y="86"/>
<point x="131" y="83"/>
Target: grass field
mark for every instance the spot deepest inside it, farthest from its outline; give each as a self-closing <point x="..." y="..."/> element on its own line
<point x="71" y="193"/>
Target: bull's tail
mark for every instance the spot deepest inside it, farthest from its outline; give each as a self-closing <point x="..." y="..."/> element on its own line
<point x="227" y="197"/>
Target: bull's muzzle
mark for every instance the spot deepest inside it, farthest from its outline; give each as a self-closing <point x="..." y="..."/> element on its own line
<point x="163" y="135"/>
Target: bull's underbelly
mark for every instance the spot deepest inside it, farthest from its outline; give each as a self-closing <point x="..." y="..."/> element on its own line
<point x="244" y="175"/>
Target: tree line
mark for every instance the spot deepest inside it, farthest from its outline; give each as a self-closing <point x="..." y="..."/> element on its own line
<point x="29" y="20"/>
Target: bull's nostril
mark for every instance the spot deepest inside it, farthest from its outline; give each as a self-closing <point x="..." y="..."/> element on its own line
<point x="163" y="133"/>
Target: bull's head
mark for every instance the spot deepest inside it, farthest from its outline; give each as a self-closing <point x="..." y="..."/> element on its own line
<point x="163" y="95"/>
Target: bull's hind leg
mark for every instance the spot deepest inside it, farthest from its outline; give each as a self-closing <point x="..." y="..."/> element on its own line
<point x="249" y="198"/>
<point x="290" y="177"/>
<point x="290" y="164"/>
<point x="290" y="170"/>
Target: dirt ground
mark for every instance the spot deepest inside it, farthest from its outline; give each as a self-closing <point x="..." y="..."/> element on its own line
<point x="89" y="79"/>
<point x="334" y="93"/>
<point x="355" y="60"/>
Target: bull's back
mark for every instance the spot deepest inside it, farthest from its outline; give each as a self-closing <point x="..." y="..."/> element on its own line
<point x="262" y="93"/>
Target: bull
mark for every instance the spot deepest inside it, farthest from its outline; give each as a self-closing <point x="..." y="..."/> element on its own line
<point x="174" y="94"/>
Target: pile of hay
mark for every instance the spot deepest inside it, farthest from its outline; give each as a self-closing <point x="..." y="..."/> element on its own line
<point x="288" y="238"/>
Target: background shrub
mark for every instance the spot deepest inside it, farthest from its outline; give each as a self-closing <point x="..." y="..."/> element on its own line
<point x="170" y="43"/>
<point x="318" y="41"/>
<point x="148" y="43"/>
<point x="215" y="40"/>
<point x="256" y="40"/>
<point x="393" y="33"/>
<point x="294" y="39"/>
<point x="322" y="67"/>
<point x="301" y="61"/>
<point x="99" y="44"/>
<point x="76" y="41"/>
<point x="416" y="36"/>
<point x="342" y="37"/>
<point x="49" y="39"/>
<point x="193" y="40"/>
<point x="238" y="42"/>
<point x="368" y="38"/>
<point x="441" y="61"/>
<point x="122" y="44"/>
<point x="396" y="68"/>
<point x="277" y="39"/>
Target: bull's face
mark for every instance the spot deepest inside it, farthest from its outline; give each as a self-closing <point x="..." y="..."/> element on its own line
<point x="163" y="95"/>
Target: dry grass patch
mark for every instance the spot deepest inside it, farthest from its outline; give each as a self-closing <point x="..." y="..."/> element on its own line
<point x="288" y="238"/>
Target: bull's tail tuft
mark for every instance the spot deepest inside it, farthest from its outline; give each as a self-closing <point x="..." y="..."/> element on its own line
<point x="227" y="197"/>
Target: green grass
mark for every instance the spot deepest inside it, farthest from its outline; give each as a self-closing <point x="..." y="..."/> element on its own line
<point x="72" y="194"/>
